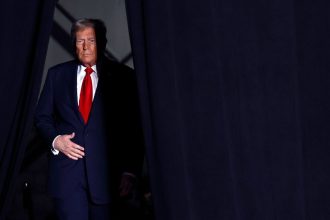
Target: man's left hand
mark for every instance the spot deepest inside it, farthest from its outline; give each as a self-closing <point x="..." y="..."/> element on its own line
<point x="126" y="184"/>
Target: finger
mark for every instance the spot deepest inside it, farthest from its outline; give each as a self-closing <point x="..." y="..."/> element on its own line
<point x="125" y="187"/>
<point x="72" y="135"/>
<point x="72" y="157"/>
<point x="76" y="155"/>
<point x="76" y="146"/>
<point x="67" y="136"/>
<point x="79" y="152"/>
<point x="125" y="191"/>
<point x="124" y="184"/>
<point x="76" y="151"/>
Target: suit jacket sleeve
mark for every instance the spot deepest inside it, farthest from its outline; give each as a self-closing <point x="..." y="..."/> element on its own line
<point x="44" y="116"/>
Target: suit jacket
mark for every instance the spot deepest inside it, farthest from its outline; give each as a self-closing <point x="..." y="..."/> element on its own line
<point x="111" y="137"/>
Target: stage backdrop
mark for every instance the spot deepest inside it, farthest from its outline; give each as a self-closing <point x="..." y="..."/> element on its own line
<point x="235" y="100"/>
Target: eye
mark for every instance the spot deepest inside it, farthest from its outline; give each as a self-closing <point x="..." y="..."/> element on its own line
<point x="91" y="41"/>
<point x="79" y="41"/>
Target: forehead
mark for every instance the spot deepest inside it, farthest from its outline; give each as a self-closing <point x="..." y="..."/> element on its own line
<point x="85" y="32"/>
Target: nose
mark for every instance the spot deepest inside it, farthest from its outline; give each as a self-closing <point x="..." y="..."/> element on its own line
<point x="84" y="46"/>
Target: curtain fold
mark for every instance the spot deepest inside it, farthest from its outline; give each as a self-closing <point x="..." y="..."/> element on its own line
<point x="24" y="38"/>
<point x="235" y="105"/>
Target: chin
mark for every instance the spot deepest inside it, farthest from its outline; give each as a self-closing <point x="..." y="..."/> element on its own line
<point x="89" y="63"/>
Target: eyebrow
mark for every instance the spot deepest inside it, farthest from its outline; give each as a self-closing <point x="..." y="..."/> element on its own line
<point x="86" y="38"/>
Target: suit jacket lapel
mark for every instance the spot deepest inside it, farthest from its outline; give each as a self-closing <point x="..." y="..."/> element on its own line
<point x="98" y="94"/>
<point x="72" y="71"/>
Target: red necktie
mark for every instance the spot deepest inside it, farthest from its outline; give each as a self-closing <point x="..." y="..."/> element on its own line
<point x="86" y="95"/>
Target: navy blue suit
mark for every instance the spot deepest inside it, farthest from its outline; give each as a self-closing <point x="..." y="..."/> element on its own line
<point x="111" y="137"/>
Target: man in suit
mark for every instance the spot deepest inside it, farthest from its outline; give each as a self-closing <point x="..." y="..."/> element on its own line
<point x="88" y="114"/>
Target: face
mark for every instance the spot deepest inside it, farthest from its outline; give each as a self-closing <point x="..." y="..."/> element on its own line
<point x="86" y="46"/>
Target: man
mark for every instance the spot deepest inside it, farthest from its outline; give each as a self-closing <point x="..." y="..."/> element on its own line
<point x="88" y="114"/>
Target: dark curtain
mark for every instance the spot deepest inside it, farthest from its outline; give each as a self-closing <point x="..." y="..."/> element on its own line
<point x="235" y="102"/>
<point x="25" y="30"/>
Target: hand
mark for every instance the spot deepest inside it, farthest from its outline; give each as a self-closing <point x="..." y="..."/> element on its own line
<point x="72" y="150"/>
<point x="126" y="185"/>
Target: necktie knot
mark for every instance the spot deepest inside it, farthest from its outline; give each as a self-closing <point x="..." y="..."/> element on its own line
<point x="89" y="70"/>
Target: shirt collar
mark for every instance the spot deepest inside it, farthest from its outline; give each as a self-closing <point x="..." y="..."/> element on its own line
<point x="81" y="68"/>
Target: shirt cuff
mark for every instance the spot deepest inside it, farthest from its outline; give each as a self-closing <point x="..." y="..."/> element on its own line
<point x="54" y="151"/>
